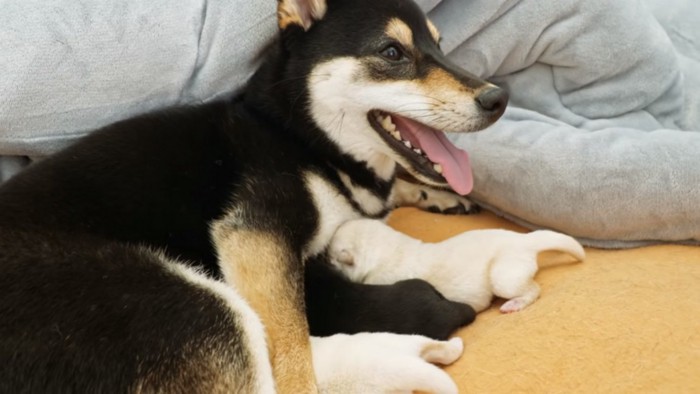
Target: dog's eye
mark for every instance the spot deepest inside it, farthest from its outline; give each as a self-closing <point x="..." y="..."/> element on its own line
<point x="392" y="52"/>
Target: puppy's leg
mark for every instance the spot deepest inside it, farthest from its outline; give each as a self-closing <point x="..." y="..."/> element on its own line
<point x="512" y="274"/>
<point x="434" y="200"/>
<point x="529" y="294"/>
<point x="265" y="270"/>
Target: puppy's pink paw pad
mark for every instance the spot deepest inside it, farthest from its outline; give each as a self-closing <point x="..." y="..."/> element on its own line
<point x="514" y="305"/>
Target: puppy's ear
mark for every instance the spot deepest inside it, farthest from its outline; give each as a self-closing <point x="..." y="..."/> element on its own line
<point x="300" y="13"/>
<point x="344" y="257"/>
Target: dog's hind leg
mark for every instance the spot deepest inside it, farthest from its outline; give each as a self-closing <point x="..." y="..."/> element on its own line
<point x="84" y="315"/>
<point x="266" y="271"/>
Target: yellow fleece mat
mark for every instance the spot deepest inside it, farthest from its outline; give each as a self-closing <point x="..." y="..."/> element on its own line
<point x="622" y="321"/>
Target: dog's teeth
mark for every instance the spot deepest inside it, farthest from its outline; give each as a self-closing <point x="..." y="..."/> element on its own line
<point x="384" y="122"/>
<point x="408" y="144"/>
<point x="438" y="168"/>
<point x="396" y="135"/>
<point x="418" y="151"/>
<point x="387" y="124"/>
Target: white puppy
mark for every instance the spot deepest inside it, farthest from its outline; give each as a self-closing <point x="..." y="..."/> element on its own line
<point x="374" y="363"/>
<point x="471" y="267"/>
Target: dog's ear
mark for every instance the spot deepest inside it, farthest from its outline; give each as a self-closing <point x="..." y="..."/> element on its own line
<point x="344" y="257"/>
<point x="300" y="13"/>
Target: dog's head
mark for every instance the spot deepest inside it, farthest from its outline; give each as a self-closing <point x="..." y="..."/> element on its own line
<point x="378" y="85"/>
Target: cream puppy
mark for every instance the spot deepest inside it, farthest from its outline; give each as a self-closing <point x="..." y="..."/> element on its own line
<point x="470" y="268"/>
<point x="376" y="363"/>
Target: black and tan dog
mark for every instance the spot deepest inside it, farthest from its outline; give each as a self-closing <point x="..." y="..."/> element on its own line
<point x="98" y="243"/>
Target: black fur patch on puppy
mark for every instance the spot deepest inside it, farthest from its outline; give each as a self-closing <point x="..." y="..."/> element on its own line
<point x="336" y="305"/>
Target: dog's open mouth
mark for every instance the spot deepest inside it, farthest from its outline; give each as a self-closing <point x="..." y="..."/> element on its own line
<point x="428" y="150"/>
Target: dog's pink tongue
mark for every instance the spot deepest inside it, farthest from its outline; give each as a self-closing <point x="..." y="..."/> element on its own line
<point x="456" y="167"/>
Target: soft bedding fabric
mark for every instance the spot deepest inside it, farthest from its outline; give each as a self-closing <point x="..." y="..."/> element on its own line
<point x="593" y="143"/>
<point x="602" y="139"/>
<point x="71" y="66"/>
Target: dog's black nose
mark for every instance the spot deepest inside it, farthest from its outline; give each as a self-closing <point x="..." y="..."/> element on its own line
<point x="493" y="100"/>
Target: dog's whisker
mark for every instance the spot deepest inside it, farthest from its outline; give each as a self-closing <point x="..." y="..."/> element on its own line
<point x="340" y="126"/>
<point x="338" y="121"/>
<point x="426" y="96"/>
<point x="425" y="116"/>
<point x="406" y="109"/>
<point x="419" y="105"/>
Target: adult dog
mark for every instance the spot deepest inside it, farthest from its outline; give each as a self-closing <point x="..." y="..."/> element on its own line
<point x="95" y="241"/>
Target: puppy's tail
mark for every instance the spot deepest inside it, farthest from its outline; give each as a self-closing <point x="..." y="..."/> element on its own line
<point x="542" y="240"/>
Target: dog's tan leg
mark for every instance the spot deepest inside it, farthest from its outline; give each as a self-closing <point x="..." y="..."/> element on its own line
<point x="270" y="277"/>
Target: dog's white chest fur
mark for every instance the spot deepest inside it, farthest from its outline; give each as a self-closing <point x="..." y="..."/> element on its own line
<point x="334" y="208"/>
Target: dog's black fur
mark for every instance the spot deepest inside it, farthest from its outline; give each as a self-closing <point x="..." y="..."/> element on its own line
<point x="88" y="302"/>
<point x="72" y="290"/>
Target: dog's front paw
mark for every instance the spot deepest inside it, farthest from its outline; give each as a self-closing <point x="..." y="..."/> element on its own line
<point x="383" y="362"/>
<point x="432" y="200"/>
<point x="446" y="202"/>
<point x="443" y="352"/>
<point x="463" y="206"/>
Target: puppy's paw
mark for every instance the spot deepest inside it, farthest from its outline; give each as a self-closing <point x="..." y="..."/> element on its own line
<point x="514" y="305"/>
<point x="443" y="352"/>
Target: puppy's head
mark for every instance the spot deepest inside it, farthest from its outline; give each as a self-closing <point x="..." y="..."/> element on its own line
<point x="378" y="85"/>
<point x="350" y="250"/>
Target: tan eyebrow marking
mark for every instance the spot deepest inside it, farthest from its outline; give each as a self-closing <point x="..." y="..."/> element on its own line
<point x="433" y="31"/>
<point x="400" y="31"/>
